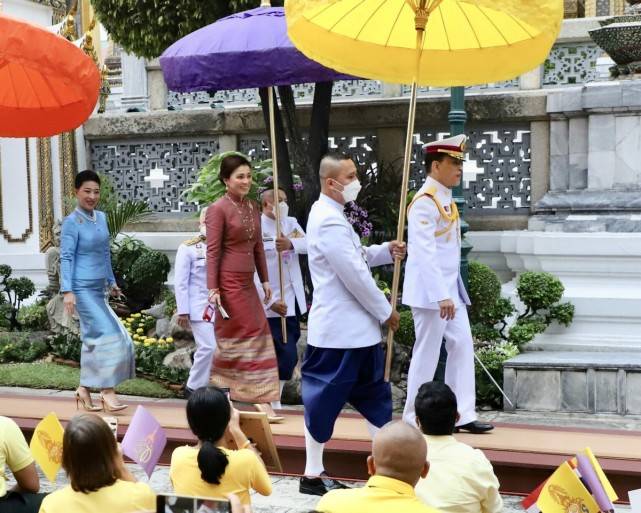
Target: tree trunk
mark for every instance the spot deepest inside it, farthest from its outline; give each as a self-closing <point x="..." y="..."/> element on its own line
<point x="319" y="130"/>
<point x="286" y="181"/>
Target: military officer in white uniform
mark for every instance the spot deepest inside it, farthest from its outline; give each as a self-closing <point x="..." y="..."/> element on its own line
<point x="190" y="288"/>
<point x="344" y="361"/>
<point x="291" y="244"/>
<point x="433" y="287"/>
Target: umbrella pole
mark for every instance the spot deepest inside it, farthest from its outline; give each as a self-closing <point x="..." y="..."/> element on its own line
<point x="400" y="229"/>
<point x="420" y="22"/>
<point x="272" y="138"/>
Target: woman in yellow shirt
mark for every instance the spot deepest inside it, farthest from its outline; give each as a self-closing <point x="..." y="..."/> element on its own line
<point x="16" y="456"/>
<point x="208" y="469"/>
<point x="99" y="480"/>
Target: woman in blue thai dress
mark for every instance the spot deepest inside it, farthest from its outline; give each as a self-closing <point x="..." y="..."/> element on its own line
<point x="107" y="354"/>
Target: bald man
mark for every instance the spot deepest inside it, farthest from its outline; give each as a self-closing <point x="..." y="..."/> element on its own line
<point x="344" y="361"/>
<point x="190" y="288"/>
<point x="398" y="461"/>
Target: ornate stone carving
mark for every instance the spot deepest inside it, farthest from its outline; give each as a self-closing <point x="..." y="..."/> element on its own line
<point x="45" y="193"/>
<point x="496" y="175"/>
<point x="571" y="63"/>
<point x="128" y="163"/>
<point x="302" y="92"/>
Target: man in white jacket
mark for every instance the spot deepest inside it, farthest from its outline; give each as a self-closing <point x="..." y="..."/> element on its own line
<point x="344" y="361"/>
<point x="292" y="303"/>
<point x="190" y="287"/>
<point x="433" y="286"/>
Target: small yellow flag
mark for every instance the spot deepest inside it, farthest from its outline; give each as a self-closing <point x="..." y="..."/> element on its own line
<point x="564" y="493"/>
<point x="46" y="445"/>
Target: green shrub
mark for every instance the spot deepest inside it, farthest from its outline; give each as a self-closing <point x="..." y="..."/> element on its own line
<point x="405" y="334"/>
<point x="493" y="356"/>
<point x="19" y="347"/>
<point x="13" y="291"/>
<point x="140" y="271"/>
<point x="34" y="317"/>
<point x="148" y="27"/>
<point x="170" y="302"/>
<point x="484" y="288"/>
<point x="539" y="290"/>
<point x="66" y="346"/>
<point x="524" y="331"/>
<point x="149" y="360"/>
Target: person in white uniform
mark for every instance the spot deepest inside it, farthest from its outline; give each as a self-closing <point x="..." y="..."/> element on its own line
<point x="344" y="360"/>
<point x="433" y="286"/>
<point x="291" y="244"/>
<point x="190" y="288"/>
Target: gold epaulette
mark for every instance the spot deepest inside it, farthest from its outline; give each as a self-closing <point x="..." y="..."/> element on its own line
<point x="451" y="219"/>
<point x="195" y="240"/>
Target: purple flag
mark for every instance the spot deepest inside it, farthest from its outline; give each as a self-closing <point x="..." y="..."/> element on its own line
<point x="589" y="475"/>
<point x="144" y="440"/>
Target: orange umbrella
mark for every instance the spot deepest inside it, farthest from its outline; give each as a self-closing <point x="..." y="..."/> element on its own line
<point x="47" y="84"/>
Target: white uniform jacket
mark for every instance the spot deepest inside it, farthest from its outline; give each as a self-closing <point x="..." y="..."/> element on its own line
<point x="432" y="271"/>
<point x="190" y="279"/>
<point x="292" y="276"/>
<point x="348" y="308"/>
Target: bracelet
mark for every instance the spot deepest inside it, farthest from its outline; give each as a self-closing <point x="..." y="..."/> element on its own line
<point x="246" y="444"/>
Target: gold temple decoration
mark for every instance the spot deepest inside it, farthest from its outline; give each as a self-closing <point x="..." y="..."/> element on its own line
<point x="45" y="193"/>
<point x="27" y="233"/>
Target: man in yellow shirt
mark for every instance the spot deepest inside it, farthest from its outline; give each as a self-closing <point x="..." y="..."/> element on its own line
<point x="461" y="478"/>
<point x="397" y="462"/>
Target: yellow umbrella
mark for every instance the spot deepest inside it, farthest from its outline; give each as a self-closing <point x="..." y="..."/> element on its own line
<point x="424" y="42"/>
<point x="462" y="42"/>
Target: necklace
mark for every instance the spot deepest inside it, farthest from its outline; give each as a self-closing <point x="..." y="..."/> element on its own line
<point x="246" y="216"/>
<point x="91" y="217"/>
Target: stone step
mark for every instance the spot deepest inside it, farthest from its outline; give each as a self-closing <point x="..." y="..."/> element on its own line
<point x="569" y="381"/>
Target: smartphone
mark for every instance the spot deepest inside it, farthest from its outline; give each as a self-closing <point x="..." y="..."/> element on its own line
<point x="182" y="504"/>
<point x="112" y="422"/>
<point x="208" y="314"/>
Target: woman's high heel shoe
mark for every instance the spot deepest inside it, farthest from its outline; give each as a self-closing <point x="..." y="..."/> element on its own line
<point x="272" y="419"/>
<point x="108" y="407"/>
<point x="86" y="404"/>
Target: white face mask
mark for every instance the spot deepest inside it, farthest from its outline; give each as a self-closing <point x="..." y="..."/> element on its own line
<point x="203" y="230"/>
<point x="283" y="209"/>
<point x="351" y="190"/>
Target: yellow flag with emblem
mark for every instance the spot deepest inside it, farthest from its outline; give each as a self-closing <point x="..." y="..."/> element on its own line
<point x="46" y="445"/>
<point x="565" y="493"/>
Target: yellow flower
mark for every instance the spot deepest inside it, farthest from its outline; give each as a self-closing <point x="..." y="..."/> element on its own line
<point x="146" y="344"/>
<point x="136" y="315"/>
<point x="139" y="330"/>
<point x="170" y="340"/>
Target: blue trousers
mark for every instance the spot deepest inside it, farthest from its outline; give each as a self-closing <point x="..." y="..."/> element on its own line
<point x="286" y="354"/>
<point x="332" y="378"/>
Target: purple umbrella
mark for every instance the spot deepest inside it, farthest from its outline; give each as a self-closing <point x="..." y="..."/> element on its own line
<point x="245" y="50"/>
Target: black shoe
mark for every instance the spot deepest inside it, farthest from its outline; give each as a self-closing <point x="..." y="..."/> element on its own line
<point x="187" y="392"/>
<point x="319" y="485"/>
<point x="476" y="427"/>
